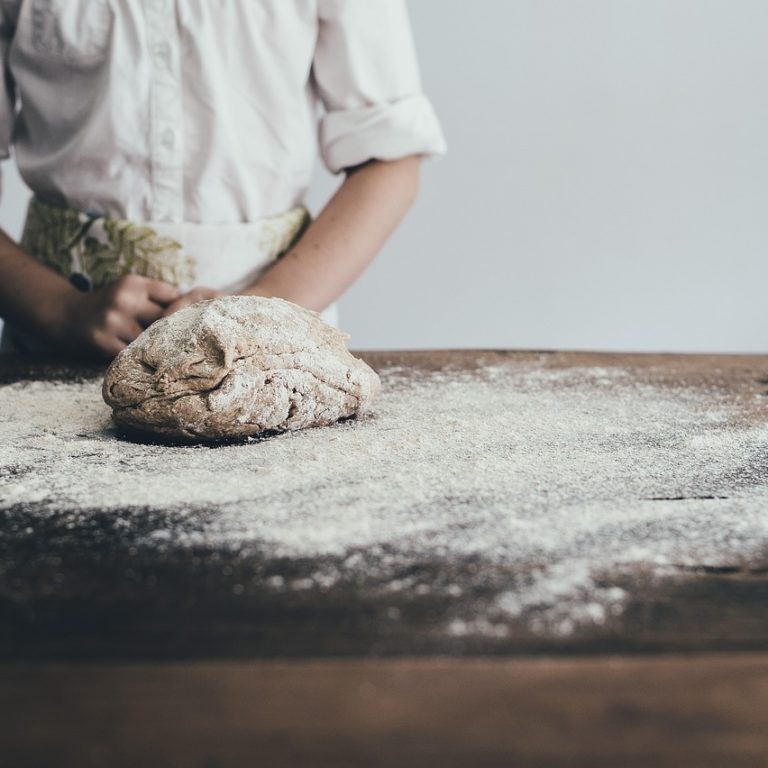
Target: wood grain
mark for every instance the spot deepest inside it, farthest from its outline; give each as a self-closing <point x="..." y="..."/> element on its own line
<point x="598" y="713"/>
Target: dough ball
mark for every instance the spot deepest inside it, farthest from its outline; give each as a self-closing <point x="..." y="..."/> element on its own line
<point x="234" y="367"/>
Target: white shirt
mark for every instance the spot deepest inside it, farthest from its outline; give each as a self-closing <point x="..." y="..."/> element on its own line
<point x="202" y="110"/>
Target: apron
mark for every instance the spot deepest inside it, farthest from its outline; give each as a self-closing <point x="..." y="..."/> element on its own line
<point x="93" y="251"/>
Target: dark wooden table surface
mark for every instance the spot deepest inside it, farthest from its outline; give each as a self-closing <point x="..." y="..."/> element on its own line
<point x="115" y="654"/>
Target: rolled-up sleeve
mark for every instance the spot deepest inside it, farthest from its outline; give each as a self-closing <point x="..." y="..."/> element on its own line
<point x="367" y="76"/>
<point x="7" y="89"/>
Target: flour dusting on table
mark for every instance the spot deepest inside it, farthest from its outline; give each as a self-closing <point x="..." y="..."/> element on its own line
<point x="558" y="478"/>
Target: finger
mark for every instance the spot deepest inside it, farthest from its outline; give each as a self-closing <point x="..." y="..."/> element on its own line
<point x="175" y="307"/>
<point x="122" y="325"/>
<point x="129" y="330"/>
<point x="202" y="294"/>
<point x="148" y="312"/>
<point x="185" y="301"/>
<point x="108" y="346"/>
<point x="195" y="295"/>
<point x="161" y="292"/>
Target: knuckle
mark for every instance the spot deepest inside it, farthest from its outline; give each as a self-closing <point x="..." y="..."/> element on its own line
<point x="111" y="318"/>
<point x="126" y="299"/>
<point x="125" y="288"/>
<point x="131" y="281"/>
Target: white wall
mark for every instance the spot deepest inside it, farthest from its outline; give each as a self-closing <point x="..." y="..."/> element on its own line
<point x="606" y="186"/>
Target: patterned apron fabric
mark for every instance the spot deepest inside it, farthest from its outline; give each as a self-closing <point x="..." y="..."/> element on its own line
<point x="93" y="251"/>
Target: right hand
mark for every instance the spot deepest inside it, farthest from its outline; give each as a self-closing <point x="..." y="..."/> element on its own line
<point x="105" y="321"/>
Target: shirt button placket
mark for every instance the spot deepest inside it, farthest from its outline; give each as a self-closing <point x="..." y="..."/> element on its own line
<point x="165" y="111"/>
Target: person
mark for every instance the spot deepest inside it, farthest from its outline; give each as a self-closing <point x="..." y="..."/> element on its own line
<point x="169" y="145"/>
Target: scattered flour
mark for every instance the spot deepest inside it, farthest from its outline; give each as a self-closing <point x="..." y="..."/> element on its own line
<point x="555" y="476"/>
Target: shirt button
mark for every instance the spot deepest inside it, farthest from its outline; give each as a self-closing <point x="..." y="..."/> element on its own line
<point x="168" y="138"/>
<point x="163" y="52"/>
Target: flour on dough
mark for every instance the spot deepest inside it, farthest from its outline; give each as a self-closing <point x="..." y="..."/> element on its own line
<point x="237" y="366"/>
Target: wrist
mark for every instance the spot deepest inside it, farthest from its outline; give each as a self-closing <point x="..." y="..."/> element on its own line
<point x="54" y="313"/>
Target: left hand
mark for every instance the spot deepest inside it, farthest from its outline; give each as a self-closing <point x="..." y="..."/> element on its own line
<point x="192" y="297"/>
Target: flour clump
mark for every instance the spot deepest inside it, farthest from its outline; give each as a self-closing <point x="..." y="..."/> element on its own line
<point x="234" y="367"/>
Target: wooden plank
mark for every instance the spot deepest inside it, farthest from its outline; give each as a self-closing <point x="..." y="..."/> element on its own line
<point x="598" y="713"/>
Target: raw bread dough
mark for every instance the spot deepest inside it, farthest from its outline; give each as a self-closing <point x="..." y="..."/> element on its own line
<point x="237" y="366"/>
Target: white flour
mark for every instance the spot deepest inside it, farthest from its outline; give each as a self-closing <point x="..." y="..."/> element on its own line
<point x="559" y="476"/>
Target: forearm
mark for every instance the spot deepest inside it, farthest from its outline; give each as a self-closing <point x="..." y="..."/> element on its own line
<point x="29" y="291"/>
<point x="345" y="237"/>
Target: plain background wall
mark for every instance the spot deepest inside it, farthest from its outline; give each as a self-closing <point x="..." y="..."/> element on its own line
<point x="606" y="184"/>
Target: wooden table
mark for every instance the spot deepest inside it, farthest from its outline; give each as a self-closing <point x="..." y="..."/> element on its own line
<point x="128" y="657"/>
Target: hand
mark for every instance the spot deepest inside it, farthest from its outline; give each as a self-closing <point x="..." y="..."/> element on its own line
<point x="106" y="321"/>
<point x="195" y="295"/>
